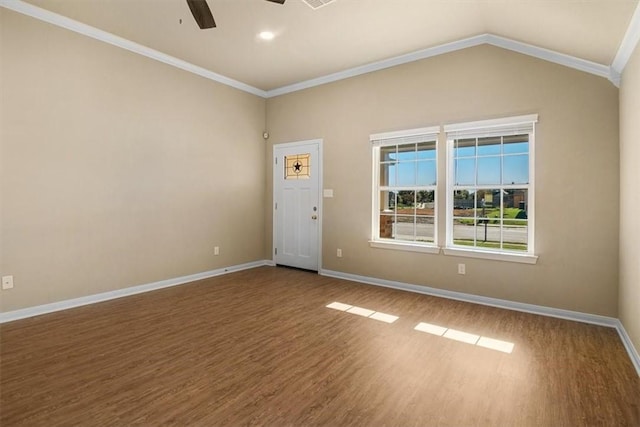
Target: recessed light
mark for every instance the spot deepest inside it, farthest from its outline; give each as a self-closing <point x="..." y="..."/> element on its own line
<point x="266" y="35"/>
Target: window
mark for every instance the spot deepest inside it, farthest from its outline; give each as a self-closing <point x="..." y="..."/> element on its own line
<point x="490" y="199"/>
<point x="297" y="166"/>
<point x="405" y="181"/>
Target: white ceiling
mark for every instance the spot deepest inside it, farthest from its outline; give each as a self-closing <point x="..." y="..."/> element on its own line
<point x="347" y="33"/>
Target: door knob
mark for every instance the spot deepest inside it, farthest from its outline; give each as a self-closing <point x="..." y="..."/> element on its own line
<point x="314" y="216"/>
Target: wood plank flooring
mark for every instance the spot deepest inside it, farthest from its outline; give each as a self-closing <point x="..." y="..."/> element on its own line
<point x="259" y="347"/>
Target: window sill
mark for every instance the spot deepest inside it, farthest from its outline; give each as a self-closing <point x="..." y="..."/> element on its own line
<point x="404" y="246"/>
<point x="496" y="256"/>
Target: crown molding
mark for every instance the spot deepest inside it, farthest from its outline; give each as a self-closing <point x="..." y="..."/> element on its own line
<point x="380" y="65"/>
<point x="550" y="55"/>
<point x="629" y="43"/>
<point x="612" y="73"/>
<point x="95" y="33"/>
<point x="491" y="39"/>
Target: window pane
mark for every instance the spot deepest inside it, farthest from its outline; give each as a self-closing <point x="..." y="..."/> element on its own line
<point x="515" y="215"/>
<point x="386" y="226"/>
<point x="463" y="231"/>
<point x="516" y="169"/>
<point x="487" y="146"/>
<point x="488" y="170"/>
<point x="387" y="201"/>
<point x="407" y="152"/>
<point x="388" y="174"/>
<point x="463" y="202"/>
<point x="406" y="202"/>
<point x="515" y="204"/>
<point x="488" y="207"/>
<point x="404" y="228"/>
<point x="465" y="171"/>
<point x="406" y="173"/>
<point x="487" y="234"/>
<point x="388" y="153"/>
<point x="425" y="229"/>
<point x="515" y="144"/>
<point x="425" y="202"/>
<point x="464" y="147"/>
<point x="427" y="172"/>
<point x="515" y="235"/>
<point x="427" y="150"/>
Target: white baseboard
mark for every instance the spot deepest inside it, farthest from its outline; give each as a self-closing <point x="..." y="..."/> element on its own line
<point x="493" y="302"/>
<point x="106" y="296"/>
<point x="595" y="319"/>
<point x="626" y="341"/>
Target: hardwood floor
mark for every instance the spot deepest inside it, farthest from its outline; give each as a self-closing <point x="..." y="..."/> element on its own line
<point x="259" y="347"/>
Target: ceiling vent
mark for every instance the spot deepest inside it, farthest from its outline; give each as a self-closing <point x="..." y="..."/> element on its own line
<point x="317" y="4"/>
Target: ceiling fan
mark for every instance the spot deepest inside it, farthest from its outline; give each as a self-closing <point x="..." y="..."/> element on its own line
<point x="202" y="14"/>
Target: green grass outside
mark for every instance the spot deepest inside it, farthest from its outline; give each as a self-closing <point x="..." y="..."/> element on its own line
<point x="494" y="214"/>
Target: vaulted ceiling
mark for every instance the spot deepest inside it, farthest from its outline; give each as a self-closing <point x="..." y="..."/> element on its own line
<point x="311" y="43"/>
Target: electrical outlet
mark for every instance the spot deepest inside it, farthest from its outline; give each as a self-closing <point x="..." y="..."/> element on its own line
<point x="339" y="253"/>
<point x="216" y="250"/>
<point x="7" y="282"/>
<point x="462" y="269"/>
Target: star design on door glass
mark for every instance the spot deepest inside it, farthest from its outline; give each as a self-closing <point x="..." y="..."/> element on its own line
<point x="297" y="167"/>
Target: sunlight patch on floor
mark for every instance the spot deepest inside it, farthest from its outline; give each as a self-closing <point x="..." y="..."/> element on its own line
<point x="503" y="346"/>
<point x="465" y="337"/>
<point x="364" y="312"/>
<point x="339" y="306"/>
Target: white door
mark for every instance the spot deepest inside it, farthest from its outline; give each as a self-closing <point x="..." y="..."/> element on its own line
<point x="296" y="204"/>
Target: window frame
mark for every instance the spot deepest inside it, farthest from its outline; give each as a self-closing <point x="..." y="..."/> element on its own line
<point x="397" y="138"/>
<point x="478" y="129"/>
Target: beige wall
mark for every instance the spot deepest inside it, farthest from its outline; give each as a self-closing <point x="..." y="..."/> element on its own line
<point x="629" y="300"/>
<point x="117" y="170"/>
<point x="577" y="160"/>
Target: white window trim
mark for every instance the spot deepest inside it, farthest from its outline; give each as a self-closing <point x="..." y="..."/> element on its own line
<point x="523" y="258"/>
<point x="396" y="138"/>
<point x="405" y="246"/>
<point x="480" y="129"/>
<point x="477" y="126"/>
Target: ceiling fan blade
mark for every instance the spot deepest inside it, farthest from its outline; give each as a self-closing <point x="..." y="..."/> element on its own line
<point x="201" y="13"/>
<point x="277" y="1"/>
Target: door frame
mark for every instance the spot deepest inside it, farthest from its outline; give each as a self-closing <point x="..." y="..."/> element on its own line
<point x="274" y="230"/>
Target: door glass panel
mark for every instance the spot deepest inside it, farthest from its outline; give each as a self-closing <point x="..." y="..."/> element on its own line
<point x="297" y="166"/>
